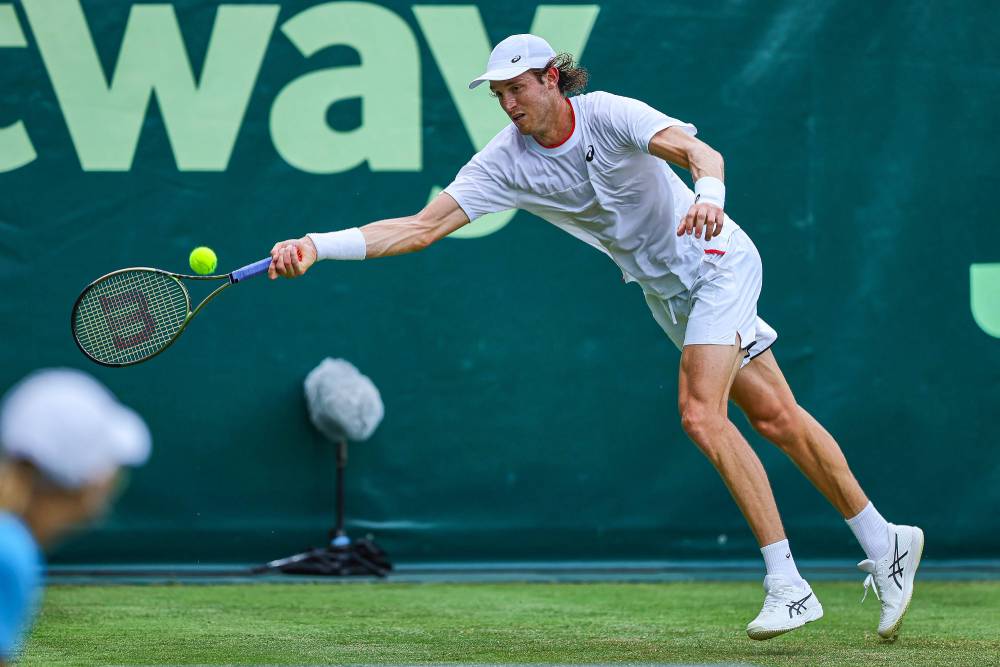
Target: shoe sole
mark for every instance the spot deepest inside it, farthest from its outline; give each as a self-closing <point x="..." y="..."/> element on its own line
<point x="761" y="635"/>
<point x="891" y="632"/>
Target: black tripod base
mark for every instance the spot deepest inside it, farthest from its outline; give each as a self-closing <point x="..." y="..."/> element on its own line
<point x="359" y="557"/>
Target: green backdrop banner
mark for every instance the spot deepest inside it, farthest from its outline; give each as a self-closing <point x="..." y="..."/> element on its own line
<point x="530" y="397"/>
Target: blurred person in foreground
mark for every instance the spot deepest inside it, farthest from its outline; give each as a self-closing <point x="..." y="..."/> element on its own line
<point x="597" y="166"/>
<point x="63" y="441"/>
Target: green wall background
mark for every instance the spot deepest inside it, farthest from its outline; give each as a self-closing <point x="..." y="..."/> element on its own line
<point x="530" y="397"/>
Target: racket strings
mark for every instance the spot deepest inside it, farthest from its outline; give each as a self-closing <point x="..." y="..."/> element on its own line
<point x="130" y="316"/>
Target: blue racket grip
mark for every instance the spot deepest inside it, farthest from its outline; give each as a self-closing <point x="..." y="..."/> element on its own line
<point x="250" y="270"/>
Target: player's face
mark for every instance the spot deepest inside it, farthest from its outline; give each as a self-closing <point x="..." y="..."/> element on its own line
<point x="531" y="104"/>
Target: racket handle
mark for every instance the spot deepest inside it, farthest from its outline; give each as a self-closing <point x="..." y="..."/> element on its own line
<point x="255" y="269"/>
<point x="250" y="270"/>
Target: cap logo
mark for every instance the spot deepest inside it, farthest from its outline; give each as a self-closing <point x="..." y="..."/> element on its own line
<point x="515" y="59"/>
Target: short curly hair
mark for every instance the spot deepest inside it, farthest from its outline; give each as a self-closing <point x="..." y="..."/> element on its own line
<point x="572" y="78"/>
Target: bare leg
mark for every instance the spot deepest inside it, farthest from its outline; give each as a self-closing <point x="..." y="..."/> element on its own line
<point x="761" y="391"/>
<point x="707" y="372"/>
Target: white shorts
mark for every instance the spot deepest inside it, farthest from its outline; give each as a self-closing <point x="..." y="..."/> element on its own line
<point x="721" y="304"/>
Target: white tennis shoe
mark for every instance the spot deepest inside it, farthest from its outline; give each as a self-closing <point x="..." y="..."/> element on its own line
<point x="786" y="607"/>
<point x="892" y="576"/>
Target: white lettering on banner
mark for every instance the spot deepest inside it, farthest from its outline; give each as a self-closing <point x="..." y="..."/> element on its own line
<point x="203" y="115"/>
<point x="984" y="297"/>
<point x="460" y="46"/>
<point x="387" y="81"/>
<point x="202" y="120"/>
<point x="15" y="145"/>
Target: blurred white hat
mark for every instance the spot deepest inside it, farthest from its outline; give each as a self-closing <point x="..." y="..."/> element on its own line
<point x="515" y="55"/>
<point x="71" y="427"/>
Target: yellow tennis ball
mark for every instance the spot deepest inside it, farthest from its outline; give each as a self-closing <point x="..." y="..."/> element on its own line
<point x="202" y="260"/>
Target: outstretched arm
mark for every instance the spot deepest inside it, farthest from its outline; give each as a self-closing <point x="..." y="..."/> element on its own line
<point x="707" y="170"/>
<point x="396" y="236"/>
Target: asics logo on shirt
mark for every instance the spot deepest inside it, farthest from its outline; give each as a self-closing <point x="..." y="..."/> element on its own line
<point x="515" y="59"/>
<point x="590" y="153"/>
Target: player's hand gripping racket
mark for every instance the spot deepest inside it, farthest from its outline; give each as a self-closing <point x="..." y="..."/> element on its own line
<point x="131" y="315"/>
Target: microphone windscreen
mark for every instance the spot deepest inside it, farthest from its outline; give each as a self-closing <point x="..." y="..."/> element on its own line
<point x="342" y="402"/>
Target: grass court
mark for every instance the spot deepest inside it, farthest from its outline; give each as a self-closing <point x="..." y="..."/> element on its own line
<point x="949" y="623"/>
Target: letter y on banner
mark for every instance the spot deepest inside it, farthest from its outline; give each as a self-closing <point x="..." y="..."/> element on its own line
<point x="984" y="297"/>
<point x="460" y="46"/>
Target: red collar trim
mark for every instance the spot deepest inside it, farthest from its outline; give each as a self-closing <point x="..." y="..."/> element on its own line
<point x="572" y="116"/>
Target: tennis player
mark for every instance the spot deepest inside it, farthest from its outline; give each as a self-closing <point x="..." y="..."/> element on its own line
<point x="63" y="439"/>
<point x="596" y="165"/>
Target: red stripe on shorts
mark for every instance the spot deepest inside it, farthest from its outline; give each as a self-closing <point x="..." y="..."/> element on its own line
<point x="713" y="251"/>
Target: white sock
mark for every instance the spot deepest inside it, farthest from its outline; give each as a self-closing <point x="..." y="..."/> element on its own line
<point x="778" y="561"/>
<point x="872" y="532"/>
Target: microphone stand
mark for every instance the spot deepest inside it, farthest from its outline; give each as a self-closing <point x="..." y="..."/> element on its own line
<point x="342" y="556"/>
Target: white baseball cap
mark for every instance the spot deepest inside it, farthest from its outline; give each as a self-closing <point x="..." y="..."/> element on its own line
<point x="71" y="427"/>
<point x="515" y="55"/>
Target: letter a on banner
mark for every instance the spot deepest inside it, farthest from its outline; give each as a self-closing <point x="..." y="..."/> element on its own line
<point x="387" y="81"/>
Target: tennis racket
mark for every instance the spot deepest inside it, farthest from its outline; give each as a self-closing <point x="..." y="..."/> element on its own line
<point x="131" y="315"/>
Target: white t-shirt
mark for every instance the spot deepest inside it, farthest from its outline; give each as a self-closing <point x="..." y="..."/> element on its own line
<point x="601" y="185"/>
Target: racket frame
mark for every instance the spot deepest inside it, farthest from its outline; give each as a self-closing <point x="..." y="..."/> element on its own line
<point x="178" y="277"/>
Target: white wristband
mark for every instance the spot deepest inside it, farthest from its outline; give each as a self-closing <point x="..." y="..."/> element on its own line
<point x="710" y="190"/>
<point x="345" y="244"/>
